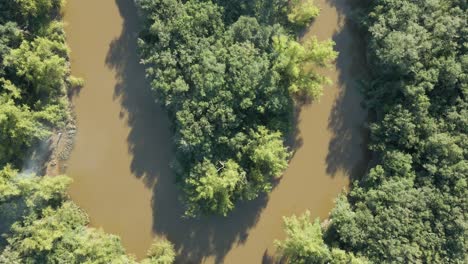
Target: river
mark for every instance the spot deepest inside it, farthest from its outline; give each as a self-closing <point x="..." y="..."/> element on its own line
<point x="121" y="160"/>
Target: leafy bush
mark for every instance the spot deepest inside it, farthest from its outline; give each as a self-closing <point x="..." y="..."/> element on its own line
<point x="160" y="252"/>
<point x="304" y="244"/>
<point x="33" y="69"/>
<point x="302" y="12"/>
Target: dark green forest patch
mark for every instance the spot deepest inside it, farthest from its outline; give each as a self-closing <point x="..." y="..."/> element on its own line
<point x="228" y="74"/>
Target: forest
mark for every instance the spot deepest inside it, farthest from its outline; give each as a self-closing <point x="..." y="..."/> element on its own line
<point x="229" y="75"/>
<point x="411" y="206"/>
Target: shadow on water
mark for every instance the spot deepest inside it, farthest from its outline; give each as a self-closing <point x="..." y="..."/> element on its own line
<point x="347" y="118"/>
<point x="269" y="258"/>
<point x="294" y="140"/>
<point x="150" y="145"/>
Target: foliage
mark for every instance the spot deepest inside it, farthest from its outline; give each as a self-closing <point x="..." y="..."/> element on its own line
<point x="41" y="64"/>
<point x="33" y="74"/>
<point x="33" y="14"/>
<point x="265" y="11"/>
<point x="10" y="36"/>
<point x="44" y="227"/>
<point x="35" y="8"/>
<point x="160" y="252"/>
<point x="411" y="207"/>
<point x="296" y="62"/>
<point x="304" y="244"/>
<point x="76" y="82"/>
<point x="225" y="82"/>
<point x="18" y="130"/>
<point x="39" y="224"/>
<point x="302" y="12"/>
<point x="7" y="190"/>
<point x="214" y="187"/>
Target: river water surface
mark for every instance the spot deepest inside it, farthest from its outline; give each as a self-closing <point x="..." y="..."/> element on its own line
<point x="121" y="160"/>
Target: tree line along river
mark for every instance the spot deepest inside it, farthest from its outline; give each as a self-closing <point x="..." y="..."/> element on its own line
<point x="121" y="160"/>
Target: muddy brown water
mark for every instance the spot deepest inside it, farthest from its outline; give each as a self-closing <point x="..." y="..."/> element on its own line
<point x="121" y="160"/>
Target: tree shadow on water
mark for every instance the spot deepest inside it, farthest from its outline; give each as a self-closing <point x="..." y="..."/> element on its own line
<point x="151" y="147"/>
<point x="347" y="150"/>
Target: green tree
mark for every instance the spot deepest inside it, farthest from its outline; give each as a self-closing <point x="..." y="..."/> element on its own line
<point x="8" y="190"/>
<point x="19" y="129"/>
<point x="36" y="9"/>
<point x="304" y="244"/>
<point x="160" y="252"/>
<point x="212" y="188"/>
<point x="39" y="224"/>
<point x="45" y="227"/>
<point x="41" y="64"/>
<point x="296" y="62"/>
<point x="302" y="12"/>
<point x="411" y="205"/>
<point x="227" y="83"/>
<point x="268" y="156"/>
<point x="10" y="36"/>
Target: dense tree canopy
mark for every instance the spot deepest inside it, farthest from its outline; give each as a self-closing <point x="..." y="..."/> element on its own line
<point x="33" y="76"/>
<point x="225" y="78"/>
<point x="411" y="207"/>
<point x="304" y="244"/>
<point x="227" y="74"/>
<point x="301" y="12"/>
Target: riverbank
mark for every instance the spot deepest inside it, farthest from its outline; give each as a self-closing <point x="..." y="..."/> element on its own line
<point x="121" y="133"/>
<point x="60" y="147"/>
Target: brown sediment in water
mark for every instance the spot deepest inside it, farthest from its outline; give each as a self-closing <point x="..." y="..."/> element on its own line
<point x="121" y="160"/>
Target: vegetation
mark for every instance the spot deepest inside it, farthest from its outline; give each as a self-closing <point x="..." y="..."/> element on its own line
<point x="160" y="252"/>
<point x="228" y="85"/>
<point x="44" y="227"/>
<point x="411" y="207"/>
<point x="33" y="76"/>
<point x="302" y="12"/>
<point x="304" y="244"/>
<point x="227" y="73"/>
<point x="39" y="224"/>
